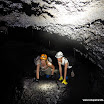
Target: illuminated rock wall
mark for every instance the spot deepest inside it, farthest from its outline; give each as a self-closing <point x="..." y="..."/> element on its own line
<point x="81" y="20"/>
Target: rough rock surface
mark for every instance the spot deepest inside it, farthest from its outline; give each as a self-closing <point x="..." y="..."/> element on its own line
<point x="81" y="20"/>
<point x="42" y="92"/>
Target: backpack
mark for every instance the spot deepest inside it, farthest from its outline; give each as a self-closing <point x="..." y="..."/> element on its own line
<point x="49" y="59"/>
<point x="37" y="60"/>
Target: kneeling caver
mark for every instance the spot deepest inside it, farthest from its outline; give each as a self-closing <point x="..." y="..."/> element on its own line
<point x="44" y="65"/>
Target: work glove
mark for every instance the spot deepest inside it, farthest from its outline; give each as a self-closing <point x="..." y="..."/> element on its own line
<point x="64" y="82"/>
<point x="61" y="78"/>
<point x="36" y="80"/>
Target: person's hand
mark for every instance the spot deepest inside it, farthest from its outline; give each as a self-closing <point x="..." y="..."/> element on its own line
<point x="37" y="80"/>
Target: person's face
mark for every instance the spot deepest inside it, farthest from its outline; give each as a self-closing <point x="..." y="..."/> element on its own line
<point x="42" y="61"/>
<point x="59" y="59"/>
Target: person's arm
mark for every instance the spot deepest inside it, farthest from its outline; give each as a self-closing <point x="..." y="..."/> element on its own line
<point x="65" y="70"/>
<point x="60" y="69"/>
<point x="37" y="71"/>
<point x="52" y="66"/>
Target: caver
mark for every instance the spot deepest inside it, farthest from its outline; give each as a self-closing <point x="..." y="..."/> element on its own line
<point x="62" y="61"/>
<point x="44" y="65"/>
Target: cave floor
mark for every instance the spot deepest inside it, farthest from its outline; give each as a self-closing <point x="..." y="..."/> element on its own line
<point x="87" y="83"/>
<point x="52" y="91"/>
<point x="43" y="92"/>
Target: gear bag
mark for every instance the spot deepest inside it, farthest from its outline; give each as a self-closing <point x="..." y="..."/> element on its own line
<point x="37" y="60"/>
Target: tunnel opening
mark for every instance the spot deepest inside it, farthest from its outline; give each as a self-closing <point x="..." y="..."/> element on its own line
<point x="23" y="45"/>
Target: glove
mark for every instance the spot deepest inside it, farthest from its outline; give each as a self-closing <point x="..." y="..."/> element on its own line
<point x="37" y="80"/>
<point x="64" y="82"/>
<point x="61" y="78"/>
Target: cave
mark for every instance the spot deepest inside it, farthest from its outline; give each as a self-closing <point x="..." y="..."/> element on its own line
<point x="30" y="28"/>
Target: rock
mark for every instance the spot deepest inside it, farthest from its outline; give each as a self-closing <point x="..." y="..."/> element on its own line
<point x="75" y="19"/>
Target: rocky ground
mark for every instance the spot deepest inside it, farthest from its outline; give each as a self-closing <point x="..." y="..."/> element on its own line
<point x="44" y="91"/>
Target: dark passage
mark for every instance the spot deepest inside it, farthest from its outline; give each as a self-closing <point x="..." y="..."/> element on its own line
<point x="19" y="48"/>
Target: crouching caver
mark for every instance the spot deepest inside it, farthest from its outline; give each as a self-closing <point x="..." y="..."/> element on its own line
<point x="44" y="65"/>
<point x="62" y="61"/>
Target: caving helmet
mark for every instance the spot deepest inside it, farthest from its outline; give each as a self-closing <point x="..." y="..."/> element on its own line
<point x="43" y="57"/>
<point x="59" y="54"/>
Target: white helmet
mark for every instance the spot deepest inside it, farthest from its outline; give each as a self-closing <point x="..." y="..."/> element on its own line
<point x="59" y="54"/>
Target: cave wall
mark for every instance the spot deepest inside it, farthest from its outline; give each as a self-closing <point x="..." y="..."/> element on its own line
<point x="80" y="20"/>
